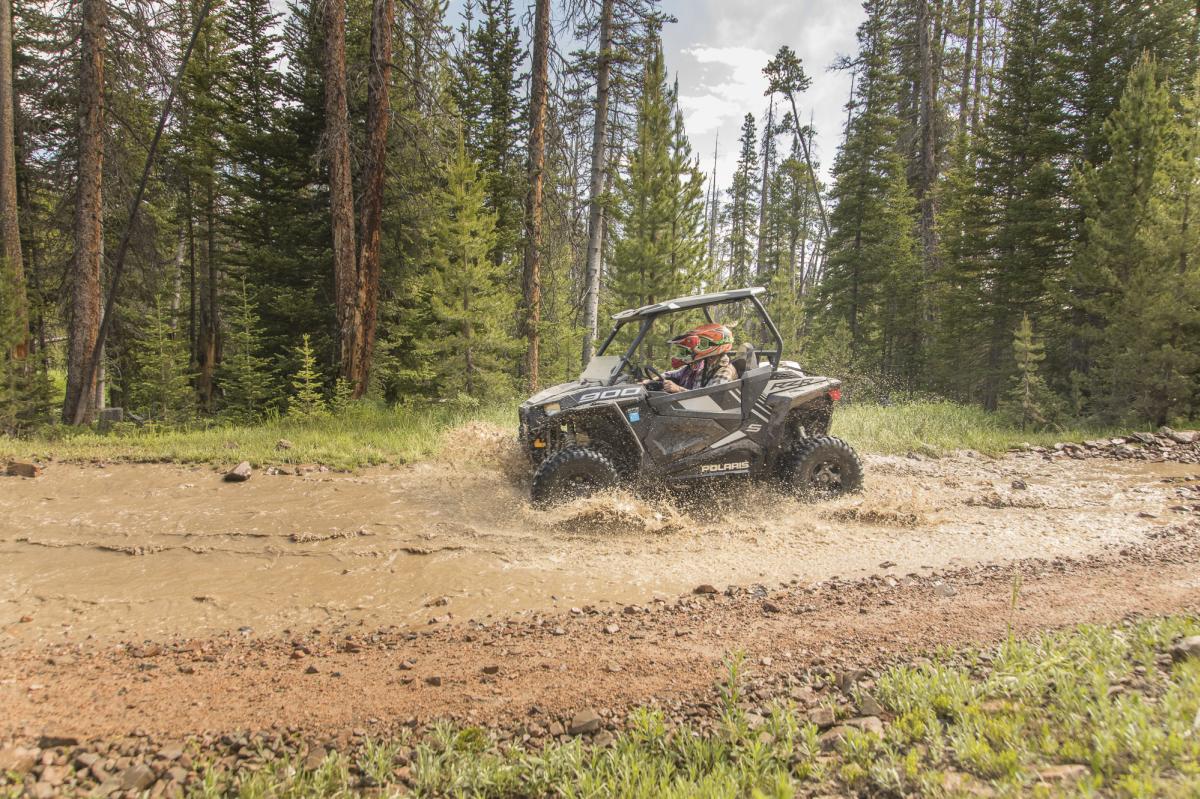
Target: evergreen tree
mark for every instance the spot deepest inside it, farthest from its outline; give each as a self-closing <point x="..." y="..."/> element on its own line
<point x="161" y="388"/>
<point x="646" y="194"/>
<point x="742" y="209"/>
<point x="1132" y="288"/>
<point x="487" y="90"/>
<point x="247" y="384"/>
<point x="308" y="397"/>
<point x="1030" y="403"/>
<point x="687" y="240"/>
<point x="467" y="344"/>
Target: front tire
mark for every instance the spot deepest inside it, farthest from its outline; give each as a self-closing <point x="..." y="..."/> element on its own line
<point x="571" y="473"/>
<point x="823" y="466"/>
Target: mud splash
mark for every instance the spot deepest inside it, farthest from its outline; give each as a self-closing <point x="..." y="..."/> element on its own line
<point x="150" y="551"/>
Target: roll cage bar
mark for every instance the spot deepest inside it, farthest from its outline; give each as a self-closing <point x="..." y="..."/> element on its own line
<point x="647" y="321"/>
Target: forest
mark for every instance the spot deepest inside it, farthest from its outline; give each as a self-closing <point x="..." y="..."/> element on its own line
<point x="229" y="209"/>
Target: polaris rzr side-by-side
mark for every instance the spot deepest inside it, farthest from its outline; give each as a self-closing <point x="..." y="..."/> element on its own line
<point x="622" y="422"/>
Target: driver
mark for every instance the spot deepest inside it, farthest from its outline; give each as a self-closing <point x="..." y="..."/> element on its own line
<point x="701" y="359"/>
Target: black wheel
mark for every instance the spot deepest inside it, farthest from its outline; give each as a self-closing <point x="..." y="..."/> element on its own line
<point x="823" y="466"/>
<point x="571" y="473"/>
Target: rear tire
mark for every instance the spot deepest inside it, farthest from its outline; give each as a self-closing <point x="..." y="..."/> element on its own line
<point x="822" y="467"/>
<point x="571" y="473"/>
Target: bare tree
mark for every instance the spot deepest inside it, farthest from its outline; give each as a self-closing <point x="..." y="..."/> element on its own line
<point x="531" y="273"/>
<point x="84" y="326"/>
<point x="595" y="245"/>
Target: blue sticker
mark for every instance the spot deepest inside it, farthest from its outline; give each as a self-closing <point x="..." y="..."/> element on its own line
<point x="635" y="416"/>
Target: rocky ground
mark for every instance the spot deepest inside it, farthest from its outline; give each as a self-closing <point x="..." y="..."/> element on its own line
<point x="122" y="719"/>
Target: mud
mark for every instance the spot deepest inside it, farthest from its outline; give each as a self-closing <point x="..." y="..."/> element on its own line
<point x="134" y="552"/>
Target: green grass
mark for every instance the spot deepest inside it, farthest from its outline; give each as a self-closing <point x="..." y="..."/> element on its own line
<point x="370" y="434"/>
<point x="935" y="428"/>
<point x="361" y="436"/>
<point x="1106" y="698"/>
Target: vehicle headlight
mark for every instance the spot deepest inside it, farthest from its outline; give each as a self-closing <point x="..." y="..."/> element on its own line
<point x="551" y="408"/>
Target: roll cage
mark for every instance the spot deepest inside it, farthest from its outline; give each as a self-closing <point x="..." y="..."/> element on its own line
<point x="646" y="316"/>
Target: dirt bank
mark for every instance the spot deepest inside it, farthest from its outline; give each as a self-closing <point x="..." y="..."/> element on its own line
<point x="133" y="552"/>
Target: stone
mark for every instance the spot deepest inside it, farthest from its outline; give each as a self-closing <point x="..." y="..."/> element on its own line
<point x="240" y="473"/>
<point x="848" y="679"/>
<point x="945" y="590"/>
<point x="612" y="629"/>
<point x="829" y="739"/>
<point x="1067" y="772"/>
<point x="871" y="724"/>
<point x="314" y="758"/>
<point x="1019" y="485"/>
<point x="85" y="760"/>
<point x="49" y="740"/>
<point x="43" y="790"/>
<point x="18" y="759"/>
<point x="177" y="774"/>
<point x="171" y="752"/>
<point x="770" y="607"/>
<point x="312" y="669"/>
<point x="1186" y="648"/>
<point x="18" y="469"/>
<point x="822" y="716"/>
<point x="137" y="777"/>
<point x="705" y="588"/>
<point x="868" y="705"/>
<point x="56" y="775"/>
<point x="433" y="680"/>
<point x="556" y="728"/>
<point x="283" y="445"/>
<point x="583" y="722"/>
<point x="603" y="738"/>
<point x="491" y="670"/>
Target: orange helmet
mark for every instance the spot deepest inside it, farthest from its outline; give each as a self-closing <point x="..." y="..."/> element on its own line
<point x="706" y="341"/>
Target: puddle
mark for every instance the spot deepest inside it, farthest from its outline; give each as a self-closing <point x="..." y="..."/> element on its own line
<point x="150" y="551"/>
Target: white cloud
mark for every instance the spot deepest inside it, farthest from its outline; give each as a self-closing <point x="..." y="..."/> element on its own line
<point x="729" y="97"/>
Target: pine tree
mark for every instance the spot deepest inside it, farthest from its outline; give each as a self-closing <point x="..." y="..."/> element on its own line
<point x="245" y="378"/>
<point x="641" y="270"/>
<point x="161" y="388"/>
<point x="1030" y="403"/>
<point x="743" y="207"/>
<point x="466" y="344"/>
<point x="687" y="248"/>
<point x="308" y="397"/>
<point x="1131" y="287"/>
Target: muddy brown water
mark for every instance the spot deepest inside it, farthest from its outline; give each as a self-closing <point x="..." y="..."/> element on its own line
<point x="128" y="552"/>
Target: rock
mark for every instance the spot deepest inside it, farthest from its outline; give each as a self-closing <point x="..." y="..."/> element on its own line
<point x="829" y="739"/>
<point x="17" y="469"/>
<point x="585" y="721"/>
<point x="612" y="629"/>
<point x="18" y="759"/>
<point x="55" y="775"/>
<point x="433" y="680"/>
<point x="283" y="445"/>
<point x="822" y="716"/>
<point x="171" y="752"/>
<point x="187" y="668"/>
<point x="240" y="473"/>
<point x="85" y="760"/>
<point x="1186" y="648"/>
<point x="137" y="777"/>
<point x="871" y="724"/>
<point x="558" y="631"/>
<point x="1068" y="772"/>
<point x="1019" y="485"/>
<point x="312" y="669"/>
<point x="945" y="590"/>
<point x="770" y="607"/>
<point x="556" y="728"/>
<point x="868" y="705"/>
<point x="603" y="738"/>
<point x="705" y="589"/>
<point x="107" y="787"/>
<point x="848" y="679"/>
<point x="177" y="774"/>
<point x="314" y="758"/>
<point x="49" y="740"/>
<point x="1143" y="438"/>
<point x="491" y="669"/>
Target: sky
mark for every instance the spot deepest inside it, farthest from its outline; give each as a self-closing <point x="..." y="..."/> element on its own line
<point x="718" y="49"/>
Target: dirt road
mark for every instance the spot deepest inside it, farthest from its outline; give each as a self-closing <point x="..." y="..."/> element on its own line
<point x="134" y="581"/>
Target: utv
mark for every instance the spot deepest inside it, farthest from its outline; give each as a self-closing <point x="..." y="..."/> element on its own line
<point x="609" y="427"/>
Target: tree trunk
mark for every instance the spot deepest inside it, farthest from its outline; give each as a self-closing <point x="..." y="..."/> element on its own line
<point x="977" y="93"/>
<point x="12" y="269"/>
<point x="764" y="195"/>
<point x="531" y="277"/>
<point x="595" y="245"/>
<point x="356" y="363"/>
<point x="210" y="323"/>
<point x="964" y="89"/>
<point x="929" y="167"/>
<point x="89" y="218"/>
<point x="341" y="191"/>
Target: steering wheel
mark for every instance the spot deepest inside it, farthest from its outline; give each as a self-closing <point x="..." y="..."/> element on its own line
<point x="652" y="373"/>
